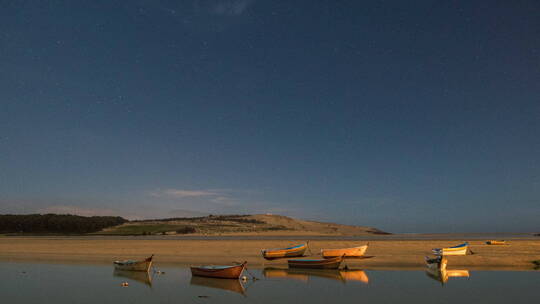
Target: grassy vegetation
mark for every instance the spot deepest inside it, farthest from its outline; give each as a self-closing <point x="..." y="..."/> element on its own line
<point x="238" y="218"/>
<point x="187" y="227"/>
<point x="148" y="229"/>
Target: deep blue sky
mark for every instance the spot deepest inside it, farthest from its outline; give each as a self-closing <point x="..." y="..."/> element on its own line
<point x="410" y="116"/>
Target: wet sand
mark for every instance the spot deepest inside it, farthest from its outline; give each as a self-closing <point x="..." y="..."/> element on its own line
<point x="387" y="254"/>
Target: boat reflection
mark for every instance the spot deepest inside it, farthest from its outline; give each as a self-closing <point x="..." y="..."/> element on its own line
<point x="444" y="274"/>
<point x="304" y="275"/>
<point x="355" y="275"/>
<point x="225" y="284"/>
<point x="138" y="276"/>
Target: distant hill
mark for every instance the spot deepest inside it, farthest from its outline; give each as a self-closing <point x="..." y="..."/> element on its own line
<point x="259" y="224"/>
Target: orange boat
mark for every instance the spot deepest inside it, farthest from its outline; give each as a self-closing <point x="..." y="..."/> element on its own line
<point x="332" y="263"/>
<point x="495" y="242"/>
<point x="345" y="252"/>
<point x="222" y="272"/>
<point x="295" y="251"/>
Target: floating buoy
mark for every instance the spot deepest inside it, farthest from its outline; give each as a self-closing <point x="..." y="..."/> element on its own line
<point x="244" y="278"/>
<point x="125" y="284"/>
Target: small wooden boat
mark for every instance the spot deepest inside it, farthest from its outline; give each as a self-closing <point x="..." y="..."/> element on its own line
<point x="331" y="263"/>
<point x="496" y="242"/>
<point x="294" y="251"/>
<point x="222" y="272"/>
<point x="344" y="252"/>
<point x="230" y="285"/>
<point x="438" y="263"/>
<point x="133" y="265"/>
<point x="460" y="249"/>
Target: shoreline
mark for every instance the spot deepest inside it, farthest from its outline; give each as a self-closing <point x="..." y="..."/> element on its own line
<point x="294" y="236"/>
<point x="388" y="254"/>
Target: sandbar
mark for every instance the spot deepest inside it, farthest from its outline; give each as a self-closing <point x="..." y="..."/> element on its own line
<point x="386" y="254"/>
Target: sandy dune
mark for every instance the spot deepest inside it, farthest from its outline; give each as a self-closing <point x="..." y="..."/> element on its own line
<point x="267" y="224"/>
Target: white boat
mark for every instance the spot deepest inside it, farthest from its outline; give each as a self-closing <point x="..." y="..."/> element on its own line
<point x="132" y="265"/>
<point x="460" y="249"/>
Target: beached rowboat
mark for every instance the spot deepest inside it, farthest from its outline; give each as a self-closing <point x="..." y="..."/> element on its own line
<point x="456" y="250"/>
<point x="132" y="265"/>
<point x="222" y="272"/>
<point x="345" y="252"/>
<point x="294" y="251"/>
<point x="331" y="263"/>
<point x="494" y="242"/>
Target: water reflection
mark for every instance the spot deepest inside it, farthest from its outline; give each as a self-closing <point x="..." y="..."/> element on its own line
<point x="224" y="284"/>
<point x="305" y="274"/>
<point x="138" y="276"/>
<point x="30" y="283"/>
<point x="442" y="275"/>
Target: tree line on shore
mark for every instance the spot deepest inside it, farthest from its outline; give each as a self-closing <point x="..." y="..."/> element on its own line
<point x="56" y="223"/>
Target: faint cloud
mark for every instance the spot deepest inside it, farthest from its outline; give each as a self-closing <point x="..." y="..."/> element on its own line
<point x="230" y="7"/>
<point x="215" y="196"/>
<point x="178" y="193"/>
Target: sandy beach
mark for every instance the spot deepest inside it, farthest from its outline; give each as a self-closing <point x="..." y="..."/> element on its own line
<point x="387" y="254"/>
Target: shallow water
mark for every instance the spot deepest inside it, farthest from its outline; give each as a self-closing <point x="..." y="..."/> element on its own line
<point x="69" y="283"/>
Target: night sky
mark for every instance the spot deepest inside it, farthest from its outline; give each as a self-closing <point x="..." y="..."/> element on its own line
<point x="410" y="116"/>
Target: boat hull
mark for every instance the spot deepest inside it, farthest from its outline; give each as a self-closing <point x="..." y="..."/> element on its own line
<point x="332" y="263"/>
<point x="128" y="265"/>
<point x="221" y="272"/>
<point x="296" y="251"/>
<point x="456" y="250"/>
<point x="445" y="251"/>
<point x="493" y="242"/>
<point x="344" y="252"/>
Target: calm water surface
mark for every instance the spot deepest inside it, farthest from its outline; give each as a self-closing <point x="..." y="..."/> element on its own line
<point x="59" y="283"/>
